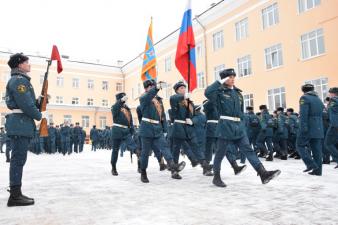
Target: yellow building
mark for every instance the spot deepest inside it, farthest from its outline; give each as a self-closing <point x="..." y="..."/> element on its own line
<point x="275" y="46"/>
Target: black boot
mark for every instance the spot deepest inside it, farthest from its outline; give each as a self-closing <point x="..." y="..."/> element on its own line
<point x="284" y="157"/>
<point x="336" y="167"/>
<point x="114" y="171"/>
<point x="207" y="173"/>
<point x="270" y="157"/>
<point x="16" y="198"/>
<point x="175" y="175"/>
<point x="194" y="163"/>
<point x="266" y="176"/>
<point x="8" y="160"/>
<point x="205" y="165"/>
<point x="163" y="166"/>
<point x="217" y="181"/>
<point x="176" y="167"/>
<point x="237" y="169"/>
<point x="144" y="177"/>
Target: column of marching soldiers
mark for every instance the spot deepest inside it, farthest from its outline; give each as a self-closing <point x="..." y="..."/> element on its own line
<point x="191" y="131"/>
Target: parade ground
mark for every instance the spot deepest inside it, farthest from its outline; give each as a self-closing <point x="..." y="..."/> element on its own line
<point x="79" y="189"/>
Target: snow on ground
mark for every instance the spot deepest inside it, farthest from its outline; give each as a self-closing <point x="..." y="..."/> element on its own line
<point x="79" y="189"/>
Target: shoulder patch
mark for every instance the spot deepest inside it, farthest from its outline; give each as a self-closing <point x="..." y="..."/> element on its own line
<point x="21" y="88"/>
<point x="301" y="101"/>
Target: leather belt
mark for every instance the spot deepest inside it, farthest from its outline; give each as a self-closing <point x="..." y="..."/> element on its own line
<point x="150" y="121"/>
<point x="212" y="121"/>
<point x="236" y="119"/>
<point x="120" y="125"/>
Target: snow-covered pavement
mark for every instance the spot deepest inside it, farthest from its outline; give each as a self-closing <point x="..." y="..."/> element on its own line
<point x="79" y="189"/>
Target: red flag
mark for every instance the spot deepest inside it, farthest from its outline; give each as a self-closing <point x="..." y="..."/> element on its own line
<point x="56" y="56"/>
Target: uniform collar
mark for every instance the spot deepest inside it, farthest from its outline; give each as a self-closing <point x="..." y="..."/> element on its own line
<point x="311" y="93"/>
<point x="18" y="72"/>
<point x="234" y="88"/>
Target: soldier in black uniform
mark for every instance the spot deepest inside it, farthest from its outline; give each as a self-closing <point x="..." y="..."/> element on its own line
<point x="20" y="99"/>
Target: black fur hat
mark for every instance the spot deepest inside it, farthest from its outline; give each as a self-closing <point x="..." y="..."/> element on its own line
<point x="178" y="85"/>
<point x="249" y="108"/>
<point x="227" y="73"/>
<point x="120" y="95"/>
<point x="280" y="109"/>
<point x="261" y="107"/>
<point x="334" y="90"/>
<point x="148" y="83"/>
<point x="16" y="59"/>
<point x="307" y="88"/>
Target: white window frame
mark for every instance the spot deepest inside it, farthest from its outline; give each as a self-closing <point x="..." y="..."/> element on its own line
<point x="90" y="102"/>
<point x="218" y="40"/>
<point x="199" y="49"/>
<point x="282" y="96"/>
<point x="119" y="87"/>
<point x="76" y="83"/>
<point x="167" y="64"/>
<point x="67" y="118"/>
<point x="270" y="53"/>
<point x="75" y="100"/>
<point x="103" y="122"/>
<point x="244" y="66"/>
<point x="248" y="100"/>
<point x="105" y="103"/>
<point x="242" y="29"/>
<point x="314" y="37"/>
<point x="321" y="86"/>
<point x="270" y="16"/>
<point x="201" y="80"/>
<point x="105" y="85"/>
<point x="303" y="5"/>
<point x="59" y="81"/>
<point x="85" y="121"/>
<point x="59" y="100"/>
<point x="90" y="84"/>
<point x="217" y="70"/>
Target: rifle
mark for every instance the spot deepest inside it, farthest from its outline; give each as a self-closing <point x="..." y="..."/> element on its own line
<point x="44" y="101"/>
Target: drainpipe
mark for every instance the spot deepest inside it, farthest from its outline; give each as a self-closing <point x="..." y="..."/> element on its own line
<point x="205" y="50"/>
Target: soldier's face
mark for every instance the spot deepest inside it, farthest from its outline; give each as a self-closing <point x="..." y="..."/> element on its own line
<point x="25" y="66"/>
<point x="181" y="90"/>
<point x="331" y="95"/>
<point x="231" y="81"/>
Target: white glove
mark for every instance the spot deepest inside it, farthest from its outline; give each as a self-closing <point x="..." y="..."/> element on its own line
<point x="165" y="134"/>
<point x="222" y="81"/>
<point x="189" y="121"/>
<point x="44" y="115"/>
<point x="159" y="85"/>
<point x="124" y="98"/>
<point x="187" y="95"/>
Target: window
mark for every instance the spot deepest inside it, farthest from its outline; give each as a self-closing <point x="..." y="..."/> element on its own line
<point x="85" y="121"/>
<point x="274" y="56"/>
<point x="103" y="122"/>
<point x="105" y="85"/>
<point x="200" y="80"/>
<point x="276" y="98"/>
<point x="76" y="83"/>
<point x="167" y="64"/>
<point x="59" y="100"/>
<point x="3" y="119"/>
<point x="90" y="102"/>
<point x="217" y="70"/>
<point x="75" y="101"/>
<point x="50" y="118"/>
<point x="244" y="66"/>
<point x="3" y="96"/>
<point x="91" y="84"/>
<point x="305" y="5"/>
<point x="59" y="81"/>
<point x="218" y="40"/>
<point x="312" y="44"/>
<point x="42" y="77"/>
<point x="242" y="29"/>
<point x="104" y="103"/>
<point x="166" y="90"/>
<point x="119" y="87"/>
<point x="248" y="100"/>
<point x="320" y="87"/>
<point x="67" y="119"/>
<point x="270" y="16"/>
<point x="199" y="49"/>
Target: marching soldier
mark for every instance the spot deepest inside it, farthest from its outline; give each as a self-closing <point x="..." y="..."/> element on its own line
<point x="183" y="129"/>
<point x="231" y="129"/>
<point x="266" y="133"/>
<point x="77" y="132"/>
<point x="20" y="99"/>
<point x="151" y="129"/>
<point x="52" y="137"/>
<point x="282" y="133"/>
<point x="292" y="125"/>
<point x="331" y="139"/>
<point x="82" y="139"/>
<point x="94" y="137"/>
<point x="65" y="138"/>
<point x="311" y="131"/>
<point x="123" y="129"/>
<point x="252" y="127"/>
<point x="211" y="136"/>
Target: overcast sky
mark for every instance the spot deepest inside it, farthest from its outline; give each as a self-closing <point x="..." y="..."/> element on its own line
<point x="108" y="30"/>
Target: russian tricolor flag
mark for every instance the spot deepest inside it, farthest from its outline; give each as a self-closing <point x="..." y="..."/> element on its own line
<point x="185" y="54"/>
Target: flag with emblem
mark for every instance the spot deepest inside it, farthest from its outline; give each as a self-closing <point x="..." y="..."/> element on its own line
<point x="185" y="60"/>
<point x="149" y="59"/>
